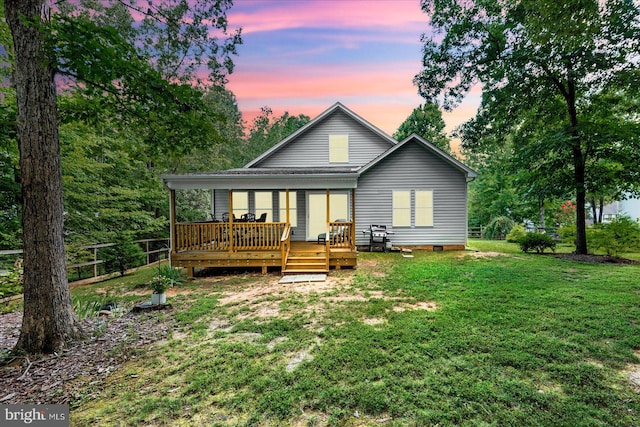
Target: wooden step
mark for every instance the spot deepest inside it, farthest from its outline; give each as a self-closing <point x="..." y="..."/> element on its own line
<point x="298" y="264"/>
<point x="303" y="271"/>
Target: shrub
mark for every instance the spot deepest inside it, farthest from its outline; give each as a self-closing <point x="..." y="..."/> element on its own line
<point x="537" y="241"/>
<point x="620" y="234"/>
<point x="567" y="234"/>
<point x="516" y="234"/>
<point x="498" y="228"/>
<point x="11" y="283"/>
<point x="124" y="255"/>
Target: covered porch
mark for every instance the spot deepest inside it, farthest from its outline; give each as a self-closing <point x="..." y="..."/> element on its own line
<point x="267" y="220"/>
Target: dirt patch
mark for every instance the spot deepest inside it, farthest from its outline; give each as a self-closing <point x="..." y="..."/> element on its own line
<point x="596" y="259"/>
<point x="632" y="372"/>
<point x="66" y="376"/>
<point x="478" y="254"/>
<point x="374" y="321"/>
<point x="429" y="306"/>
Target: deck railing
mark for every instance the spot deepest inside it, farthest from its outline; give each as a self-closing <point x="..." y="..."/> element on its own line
<point x="285" y="246"/>
<point x="217" y="236"/>
<point x="341" y="235"/>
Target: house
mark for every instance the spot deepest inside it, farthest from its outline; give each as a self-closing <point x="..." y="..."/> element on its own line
<point x="307" y="203"/>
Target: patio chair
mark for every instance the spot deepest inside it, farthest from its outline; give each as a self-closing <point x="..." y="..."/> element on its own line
<point x="225" y="217"/>
<point x="262" y="218"/>
<point x="248" y="217"/>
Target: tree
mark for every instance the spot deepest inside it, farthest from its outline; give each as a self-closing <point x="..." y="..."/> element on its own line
<point x="531" y="53"/>
<point x="266" y="131"/>
<point x="49" y="321"/>
<point x="425" y="121"/>
<point x="106" y="61"/>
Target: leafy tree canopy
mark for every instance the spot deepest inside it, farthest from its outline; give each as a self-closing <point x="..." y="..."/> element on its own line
<point x="425" y="121"/>
<point x="545" y="63"/>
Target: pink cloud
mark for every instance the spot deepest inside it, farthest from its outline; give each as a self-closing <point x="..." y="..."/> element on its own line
<point x="254" y="16"/>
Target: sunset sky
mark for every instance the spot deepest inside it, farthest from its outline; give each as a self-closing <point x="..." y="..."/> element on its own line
<point x="302" y="56"/>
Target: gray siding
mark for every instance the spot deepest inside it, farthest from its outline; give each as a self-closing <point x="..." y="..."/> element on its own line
<point x="311" y="149"/>
<point x="414" y="168"/>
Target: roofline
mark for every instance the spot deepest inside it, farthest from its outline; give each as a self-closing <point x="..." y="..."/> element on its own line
<point x="261" y="182"/>
<point x="470" y="173"/>
<point x="313" y="123"/>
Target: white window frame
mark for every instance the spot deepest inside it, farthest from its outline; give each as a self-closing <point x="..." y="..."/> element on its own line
<point x="401" y="208"/>
<point x="293" y="207"/>
<point x="240" y="201"/>
<point x="263" y="202"/>
<point x="338" y="148"/>
<point x="423" y="213"/>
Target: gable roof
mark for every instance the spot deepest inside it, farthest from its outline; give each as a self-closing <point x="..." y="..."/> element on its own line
<point x="313" y="123"/>
<point x="469" y="173"/>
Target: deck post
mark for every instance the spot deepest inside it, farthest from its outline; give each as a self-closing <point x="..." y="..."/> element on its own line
<point x="172" y="222"/>
<point x="352" y="237"/>
<point x="327" y="240"/>
<point x="230" y="220"/>
<point x="287" y="194"/>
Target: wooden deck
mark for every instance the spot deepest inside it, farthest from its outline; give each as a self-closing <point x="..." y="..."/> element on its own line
<point x="260" y="245"/>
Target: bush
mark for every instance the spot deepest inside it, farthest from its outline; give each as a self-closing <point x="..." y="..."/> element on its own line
<point x="516" y="234"/>
<point x="567" y="234"/>
<point x="124" y="255"/>
<point x="620" y="234"/>
<point x="498" y="228"/>
<point x="11" y="283"/>
<point x="537" y="241"/>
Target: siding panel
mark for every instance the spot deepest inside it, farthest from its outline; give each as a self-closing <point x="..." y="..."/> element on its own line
<point x="414" y="168"/>
<point x="311" y="149"/>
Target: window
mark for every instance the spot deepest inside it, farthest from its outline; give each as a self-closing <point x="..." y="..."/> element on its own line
<point x="424" y="208"/>
<point x="293" y="208"/>
<point x="402" y="208"/>
<point x="338" y="148"/>
<point x="264" y="204"/>
<point x="240" y="203"/>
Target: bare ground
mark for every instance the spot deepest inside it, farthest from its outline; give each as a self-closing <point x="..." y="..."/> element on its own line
<point x="67" y="376"/>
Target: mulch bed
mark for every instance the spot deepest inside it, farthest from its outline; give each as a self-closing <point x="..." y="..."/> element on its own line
<point x="596" y="259"/>
<point x="73" y="373"/>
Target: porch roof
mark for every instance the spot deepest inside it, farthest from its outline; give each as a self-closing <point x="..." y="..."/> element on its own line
<point x="265" y="179"/>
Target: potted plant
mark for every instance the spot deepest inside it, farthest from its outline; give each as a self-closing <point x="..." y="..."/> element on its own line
<point x="160" y="284"/>
<point x="166" y="278"/>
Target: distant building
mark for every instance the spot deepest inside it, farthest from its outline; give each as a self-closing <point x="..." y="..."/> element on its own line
<point x="629" y="207"/>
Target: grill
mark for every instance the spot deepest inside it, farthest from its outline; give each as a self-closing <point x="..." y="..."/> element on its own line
<point x="378" y="237"/>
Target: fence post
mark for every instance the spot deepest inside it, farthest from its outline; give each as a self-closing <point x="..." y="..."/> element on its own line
<point x="148" y="254"/>
<point x="95" y="258"/>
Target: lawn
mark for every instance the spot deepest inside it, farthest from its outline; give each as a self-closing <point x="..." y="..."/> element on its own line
<point x="488" y="336"/>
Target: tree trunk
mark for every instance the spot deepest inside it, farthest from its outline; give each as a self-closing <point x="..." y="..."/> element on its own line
<point x="594" y="209"/>
<point x="579" y="162"/>
<point x="601" y="209"/>
<point x="542" y="214"/>
<point x="49" y="322"/>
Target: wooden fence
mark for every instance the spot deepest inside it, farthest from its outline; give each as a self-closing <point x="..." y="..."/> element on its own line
<point x="154" y="250"/>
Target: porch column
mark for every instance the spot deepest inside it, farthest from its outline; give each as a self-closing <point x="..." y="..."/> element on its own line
<point x="353" y="218"/>
<point x="328" y="209"/>
<point x="287" y="195"/>
<point x="172" y="222"/>
<point x="230" y="220"/>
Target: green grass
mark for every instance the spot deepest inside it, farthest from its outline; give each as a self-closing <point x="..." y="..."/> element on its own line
<point x="516" y="339"/>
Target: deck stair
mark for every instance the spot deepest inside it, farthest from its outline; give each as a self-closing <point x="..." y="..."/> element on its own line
<point x="309" y="258"/>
